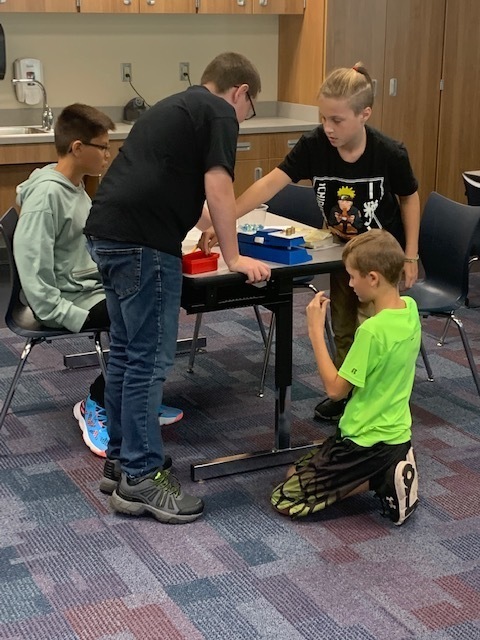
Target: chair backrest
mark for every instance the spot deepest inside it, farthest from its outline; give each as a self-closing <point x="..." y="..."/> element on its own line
<point x="297" y="202"/>
<point x="446" y="236"/>
<point x="471" y="180"/>
<point x="19" y="317"/>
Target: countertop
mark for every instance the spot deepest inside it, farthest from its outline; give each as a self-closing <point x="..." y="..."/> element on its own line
<point x="256" y="125"/>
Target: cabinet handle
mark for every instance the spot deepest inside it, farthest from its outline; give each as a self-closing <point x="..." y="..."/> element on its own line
<point x="291" y="143"/>
<point x="374" y="86"/>
<point x="263" y="3"/>
<point x="150" y="2"/>
<point x="393" y="87"/>
<point x="241" y="3"/>
<point x="258" y="173"/>
<point x="127" y="2"/>
<point x="244" y="146"/>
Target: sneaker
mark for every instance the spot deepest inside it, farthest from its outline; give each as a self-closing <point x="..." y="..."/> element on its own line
<point x="168" y="415"/>
<point x="158" y="494"/>
<point x="92" y="420"/>
<point x="399" y="492"/>
<point x="112" y="472"/>
<point x="330" y="410"/>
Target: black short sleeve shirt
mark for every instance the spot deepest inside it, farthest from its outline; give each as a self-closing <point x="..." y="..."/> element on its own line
<point x="354" y="197"/>
<point x="153" y="193"/>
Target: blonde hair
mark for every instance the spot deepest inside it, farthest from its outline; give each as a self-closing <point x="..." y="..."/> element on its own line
<point x="354" y="84"/>
<point x="376" y="250"/>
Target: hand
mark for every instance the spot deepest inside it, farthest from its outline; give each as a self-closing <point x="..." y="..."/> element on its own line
<point x="207" y="240"/>
<point x="317" y="312"/>
<point x="410" y="270"/>
<point x="255" y="270"/>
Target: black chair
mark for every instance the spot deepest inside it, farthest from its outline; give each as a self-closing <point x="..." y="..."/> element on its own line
<point x="447" y="233"/>
<point x="471" y="180"/>
<point x="297" y="203"/>
<point x="20" y="320"/>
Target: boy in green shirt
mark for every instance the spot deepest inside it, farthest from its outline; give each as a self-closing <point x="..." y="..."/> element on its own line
<point x="371" y="449"/>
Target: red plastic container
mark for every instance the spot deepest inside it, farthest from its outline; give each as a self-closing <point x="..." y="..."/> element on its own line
<point x="199" y="262"/>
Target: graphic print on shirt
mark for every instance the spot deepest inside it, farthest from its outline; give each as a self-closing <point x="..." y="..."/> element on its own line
<point x="348" y="205"/>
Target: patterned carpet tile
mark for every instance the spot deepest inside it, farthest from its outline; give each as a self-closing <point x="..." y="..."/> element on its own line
<point x="70" y="569"/>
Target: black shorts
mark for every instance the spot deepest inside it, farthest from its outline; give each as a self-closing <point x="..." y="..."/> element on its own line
<point x="330" y="472"/>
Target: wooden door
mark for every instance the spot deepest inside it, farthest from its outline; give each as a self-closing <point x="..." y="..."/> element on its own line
<point x="167" y="6"/>
<point x="279" y="6"/>
<point x="459" y="135"/>
<point x="355" y="32"/>
<point x="413" y="70"/>
<point x="225" y="6"/>
<point x="39" y="6"/>
<point x="109" y="6"/>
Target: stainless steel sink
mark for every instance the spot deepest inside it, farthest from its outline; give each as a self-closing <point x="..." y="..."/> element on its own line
<point x="15" y="131"/>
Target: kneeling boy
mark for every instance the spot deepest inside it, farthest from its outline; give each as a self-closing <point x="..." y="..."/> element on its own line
<point x="371" y="449"/>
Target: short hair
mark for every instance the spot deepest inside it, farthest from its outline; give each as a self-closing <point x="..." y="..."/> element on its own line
<point x="232" y="69"/>
<point x="376" y="250"/>
<point x="353" y="84"/>
<point x="79" y="122"/>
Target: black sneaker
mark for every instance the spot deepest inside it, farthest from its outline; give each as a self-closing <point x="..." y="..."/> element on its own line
<point x="158" y="494"/>
<point x="399" y="491"/>
<point x="330" y="410"/>
<point x="112" y="472"/>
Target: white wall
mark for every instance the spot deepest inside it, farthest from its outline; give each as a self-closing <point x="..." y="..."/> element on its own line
<point x="82" y="53"/>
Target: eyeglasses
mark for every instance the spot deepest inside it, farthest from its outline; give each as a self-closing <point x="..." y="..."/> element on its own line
<point x="104" y="147"/>
<point x="254" y="113"/>
<point x="252" y="106"/>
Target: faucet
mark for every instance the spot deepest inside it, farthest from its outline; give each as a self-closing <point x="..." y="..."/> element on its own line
<point x="47" y="115"/>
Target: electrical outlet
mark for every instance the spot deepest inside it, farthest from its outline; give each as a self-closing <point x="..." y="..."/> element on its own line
<point x="126" y="68"/>
<point x="184" y="70"/>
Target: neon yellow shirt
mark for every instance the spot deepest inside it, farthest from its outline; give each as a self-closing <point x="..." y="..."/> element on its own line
<point x="381" y="366"/>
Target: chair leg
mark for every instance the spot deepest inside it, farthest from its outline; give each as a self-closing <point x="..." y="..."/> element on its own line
<point x="268" y="350"/>
<point x="468" y="351"/>
<point x="193" y="348"/>
<point x="97" y="338"/>
<point x="261" y="326"/>
<point x="426" y="362"/>
<point x="30" y="343"/>
<point x="441" y="342"/>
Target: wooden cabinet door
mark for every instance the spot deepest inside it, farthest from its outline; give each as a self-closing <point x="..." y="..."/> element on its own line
<point x="39" y="6"/>
<point x="225" y="6"/>
<point x="109" y="6"/>
<point x="413" y="70"/>
<point x="459" y="134"/>
<point x="356" y="33"/>
<point x="247" y="172"/>
<point x="167" y="6"/>
<point x="278" y="6"/>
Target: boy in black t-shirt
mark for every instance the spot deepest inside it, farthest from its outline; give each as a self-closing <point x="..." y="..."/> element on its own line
<point x="347" y="160"/>
<point x="179" y="153"/>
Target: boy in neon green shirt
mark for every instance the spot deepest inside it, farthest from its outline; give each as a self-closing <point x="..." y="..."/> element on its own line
<point x="372" y="449"/>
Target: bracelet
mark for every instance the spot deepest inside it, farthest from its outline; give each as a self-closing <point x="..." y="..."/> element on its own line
<point x="411" y="259"/>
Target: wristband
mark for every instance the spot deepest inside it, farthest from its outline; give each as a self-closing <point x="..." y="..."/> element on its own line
<point x="411" y="259"/>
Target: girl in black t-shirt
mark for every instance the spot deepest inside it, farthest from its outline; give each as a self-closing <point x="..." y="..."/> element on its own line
<point x="347" y="161"/>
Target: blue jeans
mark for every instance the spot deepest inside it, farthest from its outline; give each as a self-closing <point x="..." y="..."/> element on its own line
<point x="143" y="289"/>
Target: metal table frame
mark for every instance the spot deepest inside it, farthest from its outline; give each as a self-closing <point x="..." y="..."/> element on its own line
<point x="225" y="290"/>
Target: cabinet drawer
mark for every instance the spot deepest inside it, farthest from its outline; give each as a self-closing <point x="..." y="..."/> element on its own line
<point x="283" y="143"/>
<point x="252" y="147"/>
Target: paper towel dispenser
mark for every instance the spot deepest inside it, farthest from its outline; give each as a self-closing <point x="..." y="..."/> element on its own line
<point x="3" y="60"/>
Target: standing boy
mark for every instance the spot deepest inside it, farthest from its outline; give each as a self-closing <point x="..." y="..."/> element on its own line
<point x="372" y="448"/>
<point x="179" y="152"/>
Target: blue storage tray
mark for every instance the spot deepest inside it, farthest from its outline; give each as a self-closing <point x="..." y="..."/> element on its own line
<point x="283" y="255"/>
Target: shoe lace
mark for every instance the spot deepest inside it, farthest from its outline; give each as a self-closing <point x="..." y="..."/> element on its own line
<point x="101" y="415"/>
<point x="168" y="482"/>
